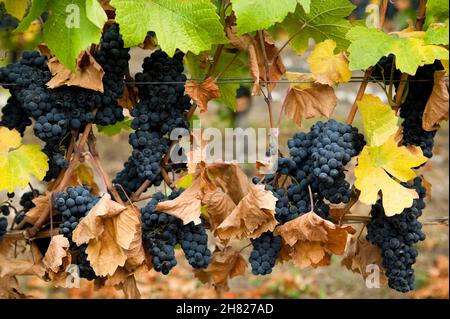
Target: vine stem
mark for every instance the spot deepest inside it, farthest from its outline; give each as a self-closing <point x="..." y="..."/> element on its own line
<point x="135" y="197"/>
<point x="368" y="73"/>
<point x="267" y="66"/>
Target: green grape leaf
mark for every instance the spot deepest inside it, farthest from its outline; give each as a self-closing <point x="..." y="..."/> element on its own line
<point x="112" y="130"/>
<point x="18" y="162"/>
<point x="326" y="20"/>
<point x="437" y="10"/>
<point x="16" y="8"/>
<point x="68" y="29"/>
<point x="369" y="45"/>
<point x="189" y="25"/>
<point x="95" y="13"/>
<point x="255" y="15"/>
<point x="238" y="69"/>
<point x="437" y="34"/>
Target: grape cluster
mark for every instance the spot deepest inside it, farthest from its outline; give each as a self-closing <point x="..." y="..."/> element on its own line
<point x="264" y="254"/>
<point x="4" y="210"/>
<point x="74" y="205"/>
<point x="162" y="232"/>
<point x="412" y="109"/>
<point x="396" y="237"/>
<point x="194" y="242"/>
<point x="321" y="156"/>
<point x="26" y="200"/>
<point x="161" y="109"/>
<point x="14" y="116"/>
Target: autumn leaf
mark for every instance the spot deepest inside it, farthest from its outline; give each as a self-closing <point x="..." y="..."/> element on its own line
<point x="436" y="109"/>
<point x="89" y="74"/>
<point x="11" y="265"/>
<point x="56" y="252"/>
<point x="129" y="98"/>
<point x="360" y="255"/>
<point x="219" y="206"/>
<point x="18" y="162"/>
<point x="378" y="165"/>
<point x="380" y="121"/>
<point x="253" y="216"/>
<point x="312" y="239"/>
<point x="188" y="205"/>
<point x="232" y="179"/>
<point x="326" y="66"/>
<point x="202" y="92"/>
<point x="308" y="100"/>
<point x="109" y="230"/>
<point x="224" y="265"/>
<point x="42" y="204"/>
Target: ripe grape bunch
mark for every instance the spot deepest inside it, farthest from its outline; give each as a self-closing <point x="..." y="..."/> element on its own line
<point x="162" y="232"/>
<point x="396" y="237"/>
<point x="4" y="213"/>
<point x="74" y="205"/>
<point x="160" y="110"/>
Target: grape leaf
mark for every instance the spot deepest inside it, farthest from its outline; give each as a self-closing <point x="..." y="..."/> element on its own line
<point x="326" y="20"/>
<point x="369" y="45"/>
<point x="68" y="29"/>
<point x="378" y="165"/>
<point x="238" y="69"/>
<point x="189" y="25"/>
<point x="380" y="121"/>
<point x="436" y="109"/>
<point x="329" y="68"/>
<point x="18" y="161"/>
<point x="112" y="130"/>
<point x="437" y="9"/>
<point x="202" y="92"/>
<point x="95" y="13"/>
<point x="255" y="15"/>
<point x="16" y="8"/>
<point x="437" y="34"/>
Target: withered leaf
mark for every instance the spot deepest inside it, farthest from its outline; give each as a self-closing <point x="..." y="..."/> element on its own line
<point x="219" y="207"/>
<point x="56" y="252"/>
<point x="89" y="74"/>
<point x="253" y="216"/>
<point x="305" y="101"/>
<point x="202" y="92"/>
<point x="313" y="239"/>
<point x="11" y="266"/>
<point x="225" y="264"/>
<point x="129" y="98"/>
<point x="42" y="205"/>
<point x="436" y="109"/>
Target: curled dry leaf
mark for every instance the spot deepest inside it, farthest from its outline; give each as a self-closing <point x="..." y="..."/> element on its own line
<point x="232" y="180"/>
<point x="218" y="206"/>
<point x="125" y="280"/>
<point x="129" y="98"/>
<point x="252" y="45"/>
<point x="202" y="92"/>
<point x="329" y="68"/>
<point x="362" y="254"/>
<point x="187" y="206"/>
<point x="436" y="109"/>
<point x="56" y="252"/>
<point x="308" y="100"/>
<point x="313" y="239"/>
<point x="42" y="205"/>
<point x="111" y="232"/>
<point x="89" y="74"/>
<point x="225" y="264"/>
<point x="11" y="266"/>
<point x="253" y="216"/>
<point x="9" y="288"/>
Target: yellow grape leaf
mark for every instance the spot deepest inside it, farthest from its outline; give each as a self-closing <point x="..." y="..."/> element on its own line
<point x="375" y="162"/>
<point x="16" y="8"/>
<point x="380" y="121"/>
<point x="185" y="181"/>
<point x="18" y="162"/>
<point x="327" y="67"/>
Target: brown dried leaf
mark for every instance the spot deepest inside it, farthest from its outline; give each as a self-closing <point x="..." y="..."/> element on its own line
<point x="436" y="109"/>
<point x="219" y="207"/>
<point x="234" y="181"/>
<point x="362" y="254"/>
<point x="149" y="43"/>
<point x="11" y="266"/>
<point x="187" y="206"/>
<point x="314" y="239"/>
<point x="309" y="100"/>
<point x="9" y="288"/>
<point x="225" y="264"/>
<point x="129" y="98"/>
<point x="56" y="252"/>
<point x="254" y="215"/>
<point x="252" y="45"/>
<point x="42" y="205"/>
<point x="89" y="74"/>
<point x="202" y="92"/>
<point x="130" y="288"/>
